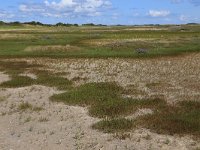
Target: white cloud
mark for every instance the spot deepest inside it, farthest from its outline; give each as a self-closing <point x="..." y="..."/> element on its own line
<point x="187" y="18"/>
<point x="159" y="13"/>
<point x="30" y="8"/>
<point x="6" y="15"/>
<point x="68" y="8"/>
<point x="183" y="18"/>
<point x="60" y="5"/>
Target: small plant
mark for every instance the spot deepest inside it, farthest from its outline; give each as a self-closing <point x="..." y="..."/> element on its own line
<point x="27" y="120"/>
<point x="37" y="109"/>
<point x="43" y="119"/>
<point x="2" y="99"/>
<point x="25" y="106"/>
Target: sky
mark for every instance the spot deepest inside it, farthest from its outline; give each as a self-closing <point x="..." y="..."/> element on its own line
<point x="126" y="12"/>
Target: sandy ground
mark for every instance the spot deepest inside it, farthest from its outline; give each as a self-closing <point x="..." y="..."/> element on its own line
<point x="172" y="78"/>
<point x="62" y="127"/>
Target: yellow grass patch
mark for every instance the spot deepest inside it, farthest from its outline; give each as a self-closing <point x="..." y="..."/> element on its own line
<point x="52" y="48"/>
<point x="104" y="42"/>
<point x="15" y="36"/>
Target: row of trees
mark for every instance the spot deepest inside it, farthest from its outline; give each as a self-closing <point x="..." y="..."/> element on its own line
<point x="17" y="23"/>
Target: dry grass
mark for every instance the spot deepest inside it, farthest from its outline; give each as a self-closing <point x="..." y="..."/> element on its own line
<point x="52" y="48"/>
<point x="8" y="36"/>
<point x="105" y="42"/>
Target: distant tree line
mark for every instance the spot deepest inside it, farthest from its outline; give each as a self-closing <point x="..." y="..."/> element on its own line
<point x="36" y="23"/>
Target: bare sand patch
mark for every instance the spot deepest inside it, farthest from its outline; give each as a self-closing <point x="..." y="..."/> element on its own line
<point x="27" y="74"/>
<point x="4" y="77"/>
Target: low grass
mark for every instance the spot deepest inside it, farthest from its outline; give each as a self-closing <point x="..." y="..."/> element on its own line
<point x="115" y="125"/>
<point x="25" y="106"/>
<point x="43" y="119"/>
<point x="2" y="98"/>
<point x="44" y="42"/>
<point x="14" y="69"/>
<point x="43" y="79"/>
<point x="104" y="100"/>
<point x="51" y="80"/>
<point x="18" y="81"/>
<point x="184" y="118"/>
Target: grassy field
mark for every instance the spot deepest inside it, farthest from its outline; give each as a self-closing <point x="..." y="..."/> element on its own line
<point x="104" y="100"/>
<point x="116" y="41"/>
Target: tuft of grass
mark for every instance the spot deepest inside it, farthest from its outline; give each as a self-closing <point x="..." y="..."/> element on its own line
<point x="43" y="119"/>
<point x="115" y="125"/>
<point x="18" y="81"/>
<point x="2" y="99"/>
<point x="37" y="109"/>
<point x="25" y="106"/>
<point x="27" y="119"/>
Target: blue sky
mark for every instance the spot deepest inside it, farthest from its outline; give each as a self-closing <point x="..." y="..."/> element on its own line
<point x="102" y="11"/>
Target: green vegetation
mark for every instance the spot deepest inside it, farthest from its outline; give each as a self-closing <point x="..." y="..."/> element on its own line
<point x="115" y="125"/>
<point x="48" y="79"/>
<point x="2" y="99"/>
<point x="14" y="69"/>
<point x="27" y="106"/>
<point x="97" y="41"/>
<point x="43" y="119"/>
<point x="184" y="118"/>
<point x="104" y="100"/>
<point x="18" y="81"/>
